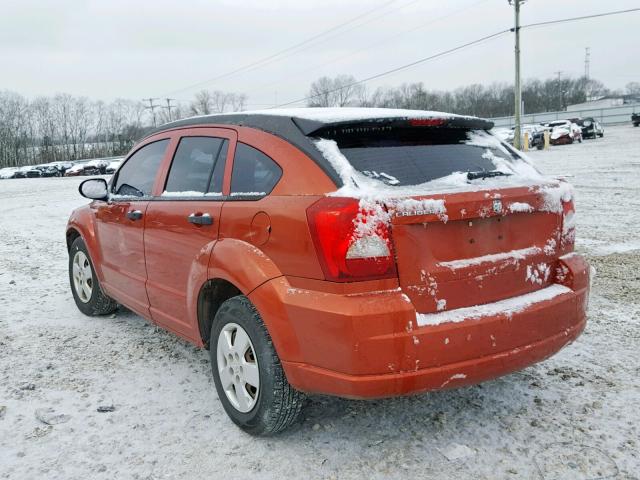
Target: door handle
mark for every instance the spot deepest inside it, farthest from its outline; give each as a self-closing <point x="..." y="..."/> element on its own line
<point x="200" y="219"/>
<point x="134" y="214"/>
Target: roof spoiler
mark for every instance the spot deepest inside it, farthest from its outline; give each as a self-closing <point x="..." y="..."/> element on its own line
<point x="313" y="128"/>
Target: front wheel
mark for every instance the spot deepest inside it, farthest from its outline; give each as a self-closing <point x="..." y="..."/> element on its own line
<point x="247" y="372"/>
<point x="85" y="286"/>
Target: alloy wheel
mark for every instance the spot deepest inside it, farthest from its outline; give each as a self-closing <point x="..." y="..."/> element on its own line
<point x="82" y="276"/>
<point x="238" y="367"/>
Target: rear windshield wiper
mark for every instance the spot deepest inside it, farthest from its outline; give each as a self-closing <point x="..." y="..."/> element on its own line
<point x="492" y="173"/>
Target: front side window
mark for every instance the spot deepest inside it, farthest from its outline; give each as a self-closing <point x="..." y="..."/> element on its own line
<point x="137" y="176"/>
<point x="254" y="174"/>
<point x="197" y="167"/>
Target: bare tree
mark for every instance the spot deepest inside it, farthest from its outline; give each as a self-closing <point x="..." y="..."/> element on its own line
<point x="238" y="101"/>
<point x="340" y="91"/>
<point x="202" y="104"/>
<point x="633" y="88"/>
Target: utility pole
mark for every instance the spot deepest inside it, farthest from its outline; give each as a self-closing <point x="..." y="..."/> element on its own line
<point x="587" y="67"/>
<point x="151" y="107"/>
<point x="517" y="133"/>
<point x="561" y="90"/>
<point x="169" y="106"/>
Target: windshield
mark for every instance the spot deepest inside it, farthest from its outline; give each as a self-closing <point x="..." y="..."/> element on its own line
<point x="413" y="156"/>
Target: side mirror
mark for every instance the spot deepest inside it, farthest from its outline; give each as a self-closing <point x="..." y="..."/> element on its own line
<point x="94" y="189"/>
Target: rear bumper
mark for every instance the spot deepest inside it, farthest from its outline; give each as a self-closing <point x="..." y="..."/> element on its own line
<point x="452" y="375"/>
<point x="564" y="140"/>
<point x="370" y="345"/>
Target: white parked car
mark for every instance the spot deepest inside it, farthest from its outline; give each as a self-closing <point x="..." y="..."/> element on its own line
<point x="8" y="172"/>
<point x="113" y="166"/>
<point x="564" y="132"/>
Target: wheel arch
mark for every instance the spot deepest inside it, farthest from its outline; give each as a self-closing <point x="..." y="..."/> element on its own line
<point x="237" y="267"/>
<point x="213" y="293"/>
<point x="72" y="234"/>
<point x="81" y="225"/>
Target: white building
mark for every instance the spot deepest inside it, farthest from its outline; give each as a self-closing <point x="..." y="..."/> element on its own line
<point x="604" y="102"/>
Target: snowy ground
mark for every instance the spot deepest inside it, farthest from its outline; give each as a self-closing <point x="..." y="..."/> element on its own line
<point x="575" y="416"/>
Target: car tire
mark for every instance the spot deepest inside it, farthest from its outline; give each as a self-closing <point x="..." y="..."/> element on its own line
<point x="85" y="286"/>
<point x="264" y="409"/>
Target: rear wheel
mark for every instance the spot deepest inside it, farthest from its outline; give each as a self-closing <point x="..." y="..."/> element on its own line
<point x="247" y="372"/>
<point x="85" y="286"/>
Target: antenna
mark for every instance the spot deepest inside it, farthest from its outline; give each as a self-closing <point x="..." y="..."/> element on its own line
<point x="587" y="61"/>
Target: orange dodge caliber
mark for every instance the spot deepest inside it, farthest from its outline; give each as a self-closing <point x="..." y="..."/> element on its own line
<point x="362" y="253"/>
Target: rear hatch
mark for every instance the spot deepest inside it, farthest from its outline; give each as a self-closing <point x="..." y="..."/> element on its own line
<point x="482" y="247"/>
<point x="472" y="221"/>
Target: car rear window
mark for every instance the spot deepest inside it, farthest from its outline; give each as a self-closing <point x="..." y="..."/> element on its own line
<point x="412" y="156"/>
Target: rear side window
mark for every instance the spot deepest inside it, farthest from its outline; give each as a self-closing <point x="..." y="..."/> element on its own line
<point x="411" y="156"/>
<point x="137" y="175"/>
<point x="254" y="174"/>
<point x="197" y="167"/>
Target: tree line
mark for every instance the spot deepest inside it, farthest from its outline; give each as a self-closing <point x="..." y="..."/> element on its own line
<point x="64" y="127"/>
<point x="494" y="100"/>
<point x="67" y="127"/>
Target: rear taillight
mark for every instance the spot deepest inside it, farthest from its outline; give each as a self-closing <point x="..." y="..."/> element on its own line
<point x="568" y="236"/>
<point x="353" y="241"/>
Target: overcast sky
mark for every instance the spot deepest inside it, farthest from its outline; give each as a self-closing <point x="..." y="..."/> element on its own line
<point x="133" y="49"/>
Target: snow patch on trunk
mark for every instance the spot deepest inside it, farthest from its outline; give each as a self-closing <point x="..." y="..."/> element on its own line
<point x="513" y="255"/>
<point x="520" y="207"/>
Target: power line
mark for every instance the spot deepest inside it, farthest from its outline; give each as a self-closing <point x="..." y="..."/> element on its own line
<point x="372" y="45"/>
<point x="585" y="17"/>
<point x="404" y="67"/>
<point x="459" y="47"/>
<point x="281" y="52"/>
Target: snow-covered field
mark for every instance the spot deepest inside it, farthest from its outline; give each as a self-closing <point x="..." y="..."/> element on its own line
<point x="575" y="416"/>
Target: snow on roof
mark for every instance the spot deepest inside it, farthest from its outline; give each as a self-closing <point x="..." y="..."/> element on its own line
<point x="348" y="114"/>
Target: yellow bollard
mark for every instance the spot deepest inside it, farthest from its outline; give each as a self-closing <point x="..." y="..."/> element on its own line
<point x="525" y="143"/>
<point x="546" y="139"/>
